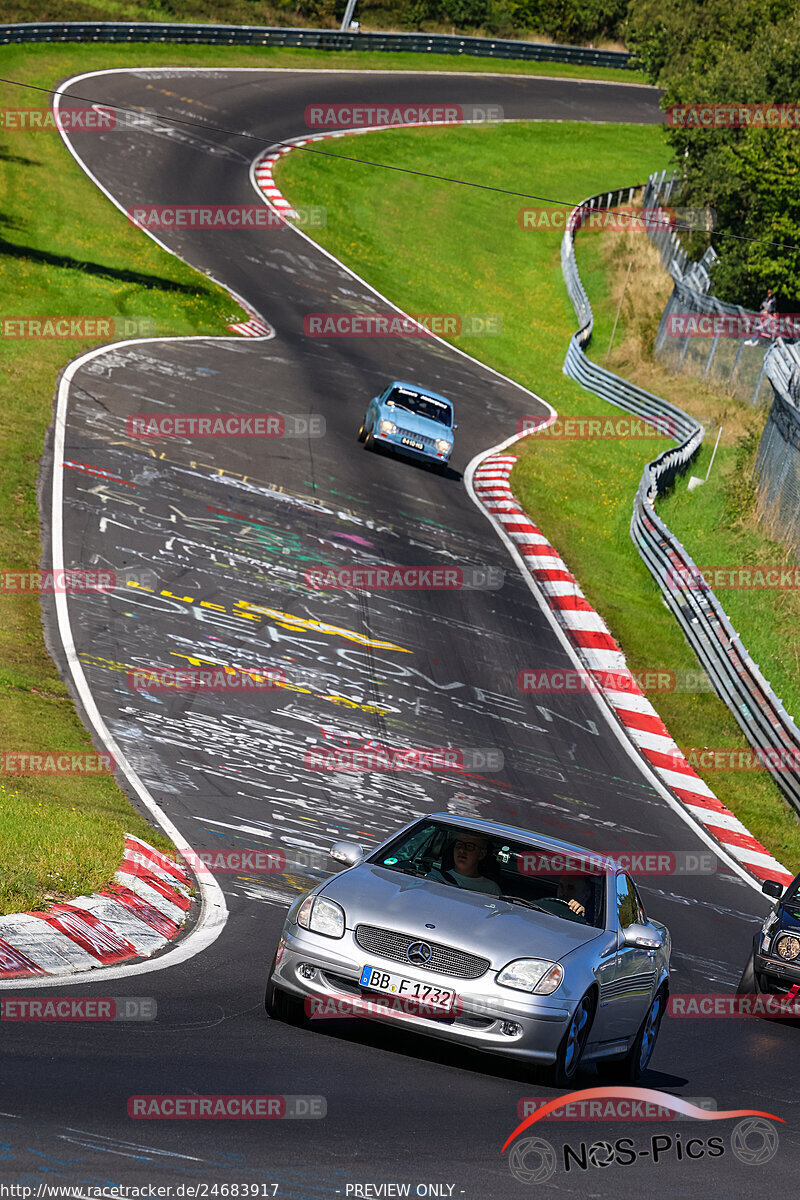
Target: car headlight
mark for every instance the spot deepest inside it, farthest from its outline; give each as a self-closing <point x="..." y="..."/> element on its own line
<point x="532" y="975"/>
<point x="788" y="946"/>
<point x="444" y="447"/>
<point x="387" y="426"/>
<point x="321" y="916"/>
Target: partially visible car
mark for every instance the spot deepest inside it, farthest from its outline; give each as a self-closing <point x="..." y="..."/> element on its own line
<point x="507" y="964"/>
<point x="412" y="421"/>
<point x="773" y="967"/>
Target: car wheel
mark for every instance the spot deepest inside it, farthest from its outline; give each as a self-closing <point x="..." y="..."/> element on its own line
<point x="362" y="433"/>
<point x="280" y="1005"/>
<point x="573" y="1043"/>
<point x="634" y="1064"/>
<point x="749" y="985"/>
<point x="369" y="440"/>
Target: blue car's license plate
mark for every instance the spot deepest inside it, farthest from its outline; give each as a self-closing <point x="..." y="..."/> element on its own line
<point x="377" y="980"/>
<point x="414" y="445"/>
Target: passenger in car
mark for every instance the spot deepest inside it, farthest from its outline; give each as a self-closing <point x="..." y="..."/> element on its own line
<point x="466" y="853"/>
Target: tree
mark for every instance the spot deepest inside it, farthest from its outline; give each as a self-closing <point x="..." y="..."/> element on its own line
<point x="733" y="52"/>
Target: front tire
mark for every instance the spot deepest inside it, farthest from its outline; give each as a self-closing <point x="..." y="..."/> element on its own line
<point x="573" y="1044"/>
<point x="749" y="985"/>
<point x="279" y="1004"/>
<point x="362" y="433"/>
<point x="369" y="440"/>
<point x="630" y="1068"/>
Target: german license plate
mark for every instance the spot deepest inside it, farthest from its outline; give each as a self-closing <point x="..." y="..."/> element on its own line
<point x="427" y="995"/>
<point x="414" y="445"/>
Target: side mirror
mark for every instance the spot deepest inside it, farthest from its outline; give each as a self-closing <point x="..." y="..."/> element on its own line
<point x="348" y="853"/>
<point x="644" y="937"/>
<point x="771" y="887"/>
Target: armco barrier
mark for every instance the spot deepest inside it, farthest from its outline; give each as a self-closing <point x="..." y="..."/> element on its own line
<point x="734" y="675"/>
<point x="311" y="39"/>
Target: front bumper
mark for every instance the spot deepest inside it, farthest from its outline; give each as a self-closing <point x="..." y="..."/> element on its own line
<point x="780" y="974"/>
<point x="392" y="441"/>
<point x="485" y="1012"/>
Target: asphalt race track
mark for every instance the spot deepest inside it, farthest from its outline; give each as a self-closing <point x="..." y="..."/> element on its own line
<point x="228" y="529"/>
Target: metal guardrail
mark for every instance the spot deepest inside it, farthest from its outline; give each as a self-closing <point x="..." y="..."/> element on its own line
<point x="312" y="39"/>
<point x="735" y="677"/>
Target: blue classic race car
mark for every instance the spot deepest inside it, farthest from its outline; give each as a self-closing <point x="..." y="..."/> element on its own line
<point x="412" y="421"/>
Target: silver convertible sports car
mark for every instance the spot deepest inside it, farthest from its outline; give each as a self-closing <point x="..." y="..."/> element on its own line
<point x="485" y="935"/>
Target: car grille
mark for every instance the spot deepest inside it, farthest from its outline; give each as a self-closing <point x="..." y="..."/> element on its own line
<point x="445" y="959"/>
<point x="428" y="442"/>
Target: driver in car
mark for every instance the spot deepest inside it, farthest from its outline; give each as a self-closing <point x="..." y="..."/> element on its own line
<point x="575" y="891"/>
<point x="469" y="851"/>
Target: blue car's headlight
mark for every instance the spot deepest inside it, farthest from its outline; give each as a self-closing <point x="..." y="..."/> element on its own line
<point x="321" y="916"/>
<point x="444" y="447"/>
<point x="387" y="426"/>
<point x="532" y="975"/>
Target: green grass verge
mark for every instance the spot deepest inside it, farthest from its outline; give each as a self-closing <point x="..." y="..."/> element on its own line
<point x="437" y="247"/>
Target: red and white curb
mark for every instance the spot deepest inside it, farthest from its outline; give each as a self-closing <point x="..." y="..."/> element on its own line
<point x="138" y="914"/>
<point x="252" y="328"/>
<point x="596" y="648"/>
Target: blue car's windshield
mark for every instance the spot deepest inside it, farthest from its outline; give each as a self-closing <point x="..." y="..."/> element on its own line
<point x="518" y="872"/>
<point x="424" y="406"/>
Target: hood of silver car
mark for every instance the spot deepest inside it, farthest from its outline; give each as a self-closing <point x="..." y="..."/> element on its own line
<point x="438" y="912"/>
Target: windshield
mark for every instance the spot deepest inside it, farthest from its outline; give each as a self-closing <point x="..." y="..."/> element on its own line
<point x="792" y="894"/>
<point x="424" y="406"/>
<point x="519" y="873"/>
